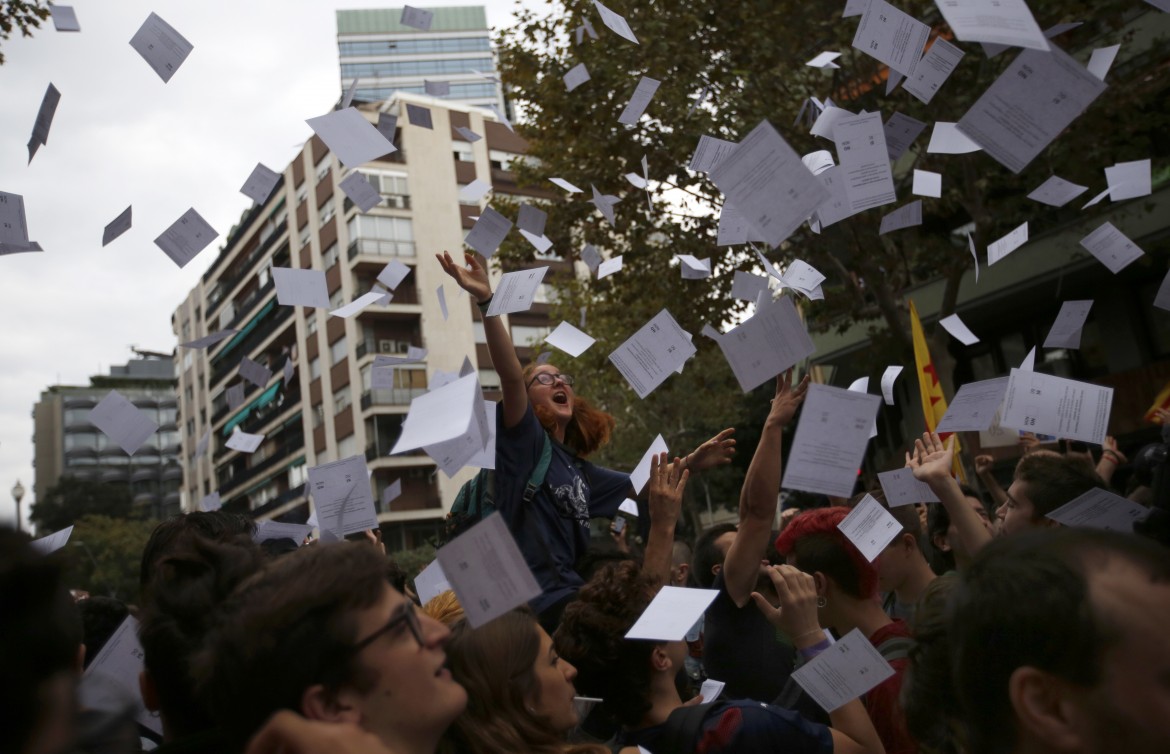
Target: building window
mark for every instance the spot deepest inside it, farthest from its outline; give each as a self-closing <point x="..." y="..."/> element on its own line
<point x="341" y="400"/>
<point x="394" y="187"/>
<point x="463" y="152"/>
<point x="384" y="236"/>
<point x="414" y="47"/>
<point x="318" y="415"/>
<point x="304" y="236"/>
<point x="528" y="335"/>
<point x="311" y="323"/>
<point x="338" y="350"/>
<point x="326" y="211"/>
<point x="337" y="299"/>
<point x="315" y="368"/>
<point x="329" y="257"/>
<point x="322" y="168"/>
<point x="489" y="379"/>
<point x="386" y="69"/>
<point x="302" y="193"/>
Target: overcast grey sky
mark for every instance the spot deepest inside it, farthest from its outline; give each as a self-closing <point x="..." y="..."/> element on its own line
<point x="122" y="137"/>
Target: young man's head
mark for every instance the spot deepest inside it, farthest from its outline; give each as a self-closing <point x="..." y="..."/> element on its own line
<point x="680" y="564"/>
<point x="1059" y="644"/>
<point x="949" y="551"/>
<point x="322" y="632"/>
<point x="906" y="555"/>
<point x="1043" y="482"/>
<point x="216" y="526"/>
<point x="710" y="549"/>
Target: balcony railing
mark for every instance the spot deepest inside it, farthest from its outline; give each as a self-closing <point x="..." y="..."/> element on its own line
<point x="380" y="248"/>
<point x="279" y="500"/>
<point x="267" y="464"/>
<point x="398" y="396"/>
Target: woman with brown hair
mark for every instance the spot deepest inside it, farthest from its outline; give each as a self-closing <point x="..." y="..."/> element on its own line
<point x="540" y="413"/>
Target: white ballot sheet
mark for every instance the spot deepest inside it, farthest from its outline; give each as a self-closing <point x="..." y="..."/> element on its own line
<point x="468" y="134"/>
<point x="186" y="237"/>
<point x="837" y="207"/>
<point x="906" y="216"/>
<point x="257" y="374"/>
<point x="1049" y="405"/>
<point x="111" y="680"/>
<point x="1102" y="60"/>
<point x="653" y="353"/>
<point x="1006" y="245"/>
<point x="488" y="232"/>
<point x="1066" y="330"/>
<point x="767" y="182"/>
<point x="473" y="191"/>
<point x="927" y="183"/>
<point x="1005" y="22"/>
<point x="694" y="269"/>
<point x="118" y="226"/>
<point x="417" y="18"/>
<point x="861" y="149"/>
<point x="441" y="415"/>
<point x="671" y="613"/>
<point x="824" y="60"/>
<point x="575" y="76"/>
<point x="615" y="23"/>
<point x="569" y="339"/>
<point x="641" y="473"/>
<point x="973" y="407"/>
<point x="40" y="132"/>
<point x="419" y="116"/>
<point x="351" y="137"/>
<point x="946" y="138"/>
<point x="734" y="229"/>
<point x="566" y="185"/>
<point x="891" y="36"/>
<point x="1111" y="247"/>
<point x="639" y="100"/>
<point x="487" y="571"/>
<point x="437" y="88"/>
<point x="64" y="18"/>
<point x="888" y="378"/>
<point x="629" y="507"/>
<point x="243" y="441"/>
<point x="1128" y="180"/>
<point x="358" y="304"/>
<point x="260" y="183"/>
<point x="767" y="344"/>
<point x="163" y="48"/>
<point x="392" y="492"/>
<point x="359" y="190"/>
<point x="211" y="502"/>
<point x="208" y="340"/>
<point x="870" y="527"/>
<point x="123" y="422"/>
<point x="709" y="153"/>
<point x="431" y="582"/>
<point x="901" y="488"/>
<point x="901" y="131"/>
<point x="52" y="542"/>
<point x="934" y="68"/>
<point x="1036" y="98"/>
<point x="843" y="672"/>
<point x="516" y="291"/>
<point x="300" y="287"/>
<point x="609" y="267"/>
<point x="393" y="274"/>
<point x="531" y="219"/>
<point x="1100" y="509"/>
<point x="266" y="530"/>
<point x="958" y="330"/>
<point x="1056" y="192"/>
<point x="453" y="454"/>
<point x="830" y="440"/>
<point x="342" y="496"/>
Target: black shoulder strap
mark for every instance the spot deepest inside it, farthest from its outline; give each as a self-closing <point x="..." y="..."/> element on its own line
<point x="683" y="729"/>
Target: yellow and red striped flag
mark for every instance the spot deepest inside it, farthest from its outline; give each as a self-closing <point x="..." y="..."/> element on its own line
<point x="934" y="402"/>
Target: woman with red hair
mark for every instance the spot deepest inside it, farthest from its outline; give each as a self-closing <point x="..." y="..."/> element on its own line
<point x="552" y="527"/>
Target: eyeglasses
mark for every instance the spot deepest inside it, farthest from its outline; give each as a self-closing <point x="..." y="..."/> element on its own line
<point x="548" y="378"/>
<point x="407" y="615"/>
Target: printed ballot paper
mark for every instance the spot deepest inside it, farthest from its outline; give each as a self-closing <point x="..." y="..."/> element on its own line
<point x="946" y="138"/>
<point x="257" y="374"/>
<point x="1036" y="98"/>
<point x="870" y="527"/>
<point x="244" y="441"/>
<point x="768" y="183"/>
<point x="865" y="163"/>
<point x="569" y="339"/>
<point x="843" y="672"/>
<point x="186" y="237"/>
<point x="342" y="496"/>
<point x="641" y="473"/>
<point x="488" y="232"/>
<point x="901" y="131"/>
<point x="709" y="153"/>
<point x="351" y="137"/>
<point x="487" y="571"/>
<point x="639" y="101"/>
<point x="770" y="342"/>
<point x="1056" y="192"/>
<point x="1004" y="22"/>
<point x="123" y="422"/>
<point x="1006" y="245"/>
<point x="1128" y="180"/>
<point x="110" y="682"/>
<point x="1066" y="330"/>
<point x="615" y="22"/>
<point x="516" y="291"/>
<point x="830" y="440"/>
<point x="448" y="421"/>
<point x="906" y="216"/>
<point x="901" y="488"/>
<point x="958" y="330"/>
<point x="359" y="191"/>
<point x="1049" y="405"/>
<point x="1100" y="509"/>
<point x="973" y="407"/>
<point x="52" y="542"/>
<point x="40" y="132"/>
<point x="417" y="18"/>
<point x="891" y="36"/>
<point x="671" y="613"/>
<point x="1111" y="247"/>
<point x="163" y="48"/>
<point x="653" y="353"/>
<point x="269" y="529"/>
<point x="118" y="226"/>
<point x="431" y="582"/>
<point x="300" y="287"/>
<point x="260" y="183"/>
<point x="934" y="68"/>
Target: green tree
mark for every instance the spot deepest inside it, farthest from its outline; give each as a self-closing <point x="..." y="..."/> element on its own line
<point x="105" y="554"/>
<point x="19" y="15"/>
<point x="71" y="498"/>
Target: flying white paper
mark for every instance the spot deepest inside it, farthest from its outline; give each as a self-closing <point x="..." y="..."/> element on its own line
<point x="186" y="237"/>
<point x="861" y="149"/>
<point x="1066" y="330"/>
<point x="431" y="582"/>
<point x="1006" y="245"/>
<point x="639" y="101"/>
<point x="1048" y="405"/>
<point x="342" y="496"/>
<point x="569" y="339"/>
<point x="653" y="353"/>
<point x="350" y="137"/>
<point x="946" y="138"/>
<point x="359" y="190"/>
<point x="641" y="473"/>
<point x="1056" y="192"/>
<point x="830" y="442"/>
<point x="767" y="344"/>
<point x="888" y="378"/>
<point x="901" y="131"/>
<point x="163" y="48"/>
<point x="300" y="287"/>
<point x="891" y="36"/>
<point x="1005" y="22"/>
<point x="64" y="18"/>
<point x="516" y="291"/>
<point x="927" y="183"/>
<point x="244" y="442"/>
<point x="52" y="542"/>
<point x="901" y="488"/>
<point x="260" y="183"/>
<point x="488" y="232"/>
<point x="123" y="422"/>
<point x="958" y="330"/>
<point x="609" y="267"/>
<point x="616" y="23"/>
<point x="393" y="274"/>
<point x="906" y="216"/>
<point x="1128" y="180"/>
<point x="870" y="527"/>
<point x="709" y="153"/>
<point x="934" y="68"/>
<point x="576" y="76"/>
<point x="973" y="407"/>
<point x="671" y="613"/>
<point x="1111" y="247"/>
<point x="487" y="571"/>
<point x="117" y="226"/>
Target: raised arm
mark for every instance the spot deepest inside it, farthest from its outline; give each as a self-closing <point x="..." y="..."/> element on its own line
<point x="983" y="466"/>
<point x="931" y="463"/>
<point x="474" y="279"/>
<point x="667" y="483"/>
<point x="757" y="498"/>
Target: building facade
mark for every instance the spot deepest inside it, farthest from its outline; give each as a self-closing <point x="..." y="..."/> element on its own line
<point x="328" y="410"/>
<point x="386" y="57"/>
<point x="66" y="444"/>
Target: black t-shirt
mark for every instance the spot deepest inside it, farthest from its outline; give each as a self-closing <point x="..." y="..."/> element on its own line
<point x="742" y="649"/>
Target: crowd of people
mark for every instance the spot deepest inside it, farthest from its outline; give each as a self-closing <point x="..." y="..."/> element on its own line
<point x="1005" y="631"/>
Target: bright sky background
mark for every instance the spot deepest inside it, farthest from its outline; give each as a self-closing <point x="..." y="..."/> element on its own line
<point x="122" y="137"/>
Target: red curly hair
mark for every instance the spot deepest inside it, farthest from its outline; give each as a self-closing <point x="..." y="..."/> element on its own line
<point x="590" y="428"/>
<point x="815" y="543"/>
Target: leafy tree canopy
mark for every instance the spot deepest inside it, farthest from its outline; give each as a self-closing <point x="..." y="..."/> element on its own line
<point x="22" y="16"/>
<point x="70" y="499"/>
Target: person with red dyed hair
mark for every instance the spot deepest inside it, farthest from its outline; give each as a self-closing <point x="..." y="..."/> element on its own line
<point x="539" y="403"/>
<point x="846" y="586"/>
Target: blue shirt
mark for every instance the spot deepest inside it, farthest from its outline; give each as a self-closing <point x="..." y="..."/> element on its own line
<point x="745" y="726"/>
<point x="554" y="532"/>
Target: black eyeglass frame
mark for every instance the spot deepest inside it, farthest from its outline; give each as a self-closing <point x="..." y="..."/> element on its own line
<point x="409" y="616"/>
<point x="552" y="379"/>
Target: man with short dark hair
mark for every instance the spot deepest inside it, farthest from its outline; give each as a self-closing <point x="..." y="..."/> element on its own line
<point x="1043" y="482"/>
<point x="902" y="569"/>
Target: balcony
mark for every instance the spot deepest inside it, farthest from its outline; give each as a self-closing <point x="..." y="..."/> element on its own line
<point x="278" y="501"/>
<point x="244" y="268"/>
<point x="398" y="396"/>
<point x="379" y="248"/>
<point x="269" y="463"/>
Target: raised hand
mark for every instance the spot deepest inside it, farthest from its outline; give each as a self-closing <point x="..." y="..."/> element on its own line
<point x="984" y="464"/>
<point x="931" y="458"/>
<point x="787" y="399"/>
<point x="667" y="483"/>
<point x="717" y="451"/>
<point x="797" y="614"/>
<point x="473" y="278"/>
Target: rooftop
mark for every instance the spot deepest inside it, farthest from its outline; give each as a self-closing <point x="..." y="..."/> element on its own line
<point x="386" y="20"/>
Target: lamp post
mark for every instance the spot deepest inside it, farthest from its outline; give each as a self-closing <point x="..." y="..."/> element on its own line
<point x="18" y="495"/>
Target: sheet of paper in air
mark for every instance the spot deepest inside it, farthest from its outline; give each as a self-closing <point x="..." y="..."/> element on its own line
<point x="927" y="183"/>
<point x="351" y="137"/>
<point x="692" y="268"/>
<point x="888" y="378"/>
<point x="486" y="458"/>
<point x="431" y="582"/>
<point x="827" y="120"/>
<point x="110" y="682"/>
<point x="501" y="117"/>
<point x="163" y="48"/>
<point x="958" y="330"/>
<point x="837" y="207"/>
<point x="1162" y="298"/>
<point x="1100" y="509"/>
<point x="734" y="229"/>
<point x="768" y="343"/>
<point x="359" y="190"/>
<point x="974" y="405"/>
<point x="437" y="88"/>
<point x="358" y="304"/>
<point x="387" y="125"/>
<point x="473" y="191"/>
<point x="419" y="116"/>
<point x="711" y="689"/>
<point x="854" y="8"/>
<point x="1096" y="199"/>
<point x="347" y="97"/>
<point x="453" y="454"/>
<point x="946" y="138"/>
<point x="40" y="132"/>
<point x="1048" y="405"/>
<point x="541" y="243"/>
<point x="974" y="256"/>
<point x="639" y="101"/>
<point x="1162" y="5"/>
<point x="210" y="502"/>
<point x="300" y="287"/>
<point x="64" y="18"/>
<point x="748" y="286"/>
<point x="1128" y="180"/>
<point x="604" y="203"/>
<point x="671" y="613"/>
<point x="591" y="257"/>
<point x="870" y="527"/>
<point x="569" y="339"/>
<point x="767" y="182"/>
<point x="13" y="226"/>
<point x="468" y="134"/>
<point x="186" y="237"/>
<point x="936" y="65"/>
<point x="488" y="232"/>
<point x="1006" y="245"/>
<point x="709" y="153"/>
<point x="244" y="441"/>
<point x="576" y="76"/>
<point x="641" y="473"/>
<point x="487" y="571"/>
<point x="891" y="36"/>
<point x="901" y="131"/>
<point x="566" y="185"/>
<point x="260" y="183"/>
<point x="257" y="374"/>
<point x="1066" y="330"/>
<point x="516" y="291"/>
<point x="442" y="296"/>
<point x="1056" y="192"/>
<point x="393" y="274"/>
<point x="802" y="276"/>
<point x="417" y="18"/>
<point x="123" y="422"/>
<point x="906" y="216"/>
<point x="266" y="530"/>
<point x="861" y="149"/>
<point x="653" y="353"/>
<point x="1005" y="22"/>
<point x="629" y="507"/>
<point x="824" y="60"/>
<point x="1029" y="105"/>
<point x="843" y="672"/>
<point x="117" y="226"/>
<point x="1102" y="60"/>
<point x="287" y="371"/>
<point x="615" y="23"/>
<point x="234" y="396"/>
<point x="609" y="267"/>
<point x="443" y="414"/>
<point x="342" y="496"/>
<point x="819" y="161"/>
<point x="53" y="542"/>
<point x="830" y="442"/>
<point x="861" y="385"/>
<point x="901" y="488"/>
<point x="1111" y="247"/>
<point x="531" y="219"/>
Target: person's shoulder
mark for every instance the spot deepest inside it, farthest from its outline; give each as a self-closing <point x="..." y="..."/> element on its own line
<point x="734" y="724"/>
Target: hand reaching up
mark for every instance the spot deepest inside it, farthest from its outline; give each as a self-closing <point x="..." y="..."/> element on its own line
<point x="787" y="399"/>
<point x="473" y="278"/>
<point x="717" y="451"/>
<point x="931" y="459"/>
<point x="668" y="481"/>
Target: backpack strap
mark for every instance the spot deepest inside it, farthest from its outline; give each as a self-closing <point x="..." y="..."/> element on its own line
<point x="682" y="730"/>
<point x="540" y="471"/>
<point x="896" y="648"/>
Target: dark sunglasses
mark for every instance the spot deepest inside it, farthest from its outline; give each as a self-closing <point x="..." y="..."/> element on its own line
<point x="548" y="378"/>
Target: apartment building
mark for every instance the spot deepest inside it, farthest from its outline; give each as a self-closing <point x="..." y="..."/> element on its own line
<point x="328" y="410"/>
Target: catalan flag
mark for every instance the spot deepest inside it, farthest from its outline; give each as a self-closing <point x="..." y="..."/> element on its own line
<point x="934" y="403"/>
<point x="1162" y="401"/>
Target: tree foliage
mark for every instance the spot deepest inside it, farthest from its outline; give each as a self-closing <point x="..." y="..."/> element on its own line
<point x="71" y="498"/>
<point x="105" y="554"/>
<point x="22" y="16"/>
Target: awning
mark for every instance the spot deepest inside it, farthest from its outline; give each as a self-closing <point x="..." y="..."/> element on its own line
<point x="263" y="400"/>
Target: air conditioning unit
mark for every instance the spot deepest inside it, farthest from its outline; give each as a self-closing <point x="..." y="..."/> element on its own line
<point x="393" y="346"/>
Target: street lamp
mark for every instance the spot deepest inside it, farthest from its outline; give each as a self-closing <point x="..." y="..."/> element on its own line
<point x="18" y="495"/>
